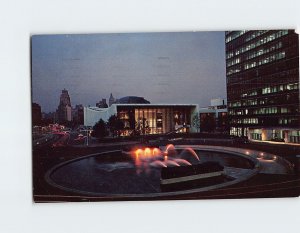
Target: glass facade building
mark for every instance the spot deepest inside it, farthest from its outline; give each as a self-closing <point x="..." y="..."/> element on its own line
<point x="154" y="119"/>
<point x="262" y="69"/>
<point x="146" y="119"/>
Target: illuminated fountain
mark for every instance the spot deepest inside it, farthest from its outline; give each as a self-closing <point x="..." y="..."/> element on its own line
<point x="178" y="169"/>
<point x="157" y="171"/>
<point x="155" y="157"/>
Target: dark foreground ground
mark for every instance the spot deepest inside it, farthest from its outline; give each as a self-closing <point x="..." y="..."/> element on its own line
<point x="260" y="186"/>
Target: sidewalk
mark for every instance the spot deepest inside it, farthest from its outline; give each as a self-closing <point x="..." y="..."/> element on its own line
<point x="278" y="143"/>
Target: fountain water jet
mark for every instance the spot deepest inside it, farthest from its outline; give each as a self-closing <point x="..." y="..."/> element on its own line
<point x="190" y="151"/>
<point x="170" y="150"/>
<point x="158" y="163"/>
<point x="182" y="162"/>
<point x="171" y="163"/>
<point x="154" y="157"/>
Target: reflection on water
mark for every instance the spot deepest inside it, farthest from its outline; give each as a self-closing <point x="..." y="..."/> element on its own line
<point x="109" y="167"/>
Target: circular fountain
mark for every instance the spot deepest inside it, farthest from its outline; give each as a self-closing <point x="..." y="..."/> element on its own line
<point x="138" y="172"/>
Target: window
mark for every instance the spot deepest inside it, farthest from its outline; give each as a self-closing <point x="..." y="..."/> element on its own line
<point x="234" y="35"/>
<point x="262" y="51"/>
<point x="262" y="41"/>
<point x="266" y="90"/>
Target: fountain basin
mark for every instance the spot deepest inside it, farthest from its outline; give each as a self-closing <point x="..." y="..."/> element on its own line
<point x="115" y="174"/>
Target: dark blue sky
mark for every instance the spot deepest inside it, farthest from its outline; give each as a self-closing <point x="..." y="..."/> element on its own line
<point x="186" y="67"/>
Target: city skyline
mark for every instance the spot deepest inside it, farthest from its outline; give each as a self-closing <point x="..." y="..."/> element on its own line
<point x="92" y="66"/>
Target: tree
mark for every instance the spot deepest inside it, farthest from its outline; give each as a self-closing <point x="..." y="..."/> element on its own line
<point x="99" y="129"/>
<point x="115" y="125"/>
<point x="208" y="122"/>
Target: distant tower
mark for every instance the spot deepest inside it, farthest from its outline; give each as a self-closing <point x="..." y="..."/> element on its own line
<point x="65" y="98"/>
<point x="64" y="110"/>
<point x="111" y="100"/>
<point x="36" y="114"/>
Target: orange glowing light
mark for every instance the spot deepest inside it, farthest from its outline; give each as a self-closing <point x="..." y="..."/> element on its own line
<point x="170" y="146"/>
<point x="155" y="151"/>
<point x="138" y="152"/>
<point x="147" y="152"/>
<point x="170" y="150"/>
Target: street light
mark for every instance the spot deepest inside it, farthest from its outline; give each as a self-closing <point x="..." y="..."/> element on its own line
<point x="87" y="135"/>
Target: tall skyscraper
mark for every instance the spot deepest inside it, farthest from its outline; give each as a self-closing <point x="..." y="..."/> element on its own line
<point x="64" y="110"/>
<point x="77" y="114"/>
<point x="262" y="70"/>
<point x="111" y="100"/>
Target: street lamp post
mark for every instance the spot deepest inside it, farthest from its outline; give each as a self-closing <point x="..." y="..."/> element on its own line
<point x="87" y="138"/>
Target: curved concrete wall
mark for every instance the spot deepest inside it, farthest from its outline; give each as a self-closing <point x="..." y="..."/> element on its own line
<point x="93" y="114"/>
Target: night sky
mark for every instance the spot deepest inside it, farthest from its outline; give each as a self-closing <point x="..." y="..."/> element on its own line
<point x="186" y="67"/>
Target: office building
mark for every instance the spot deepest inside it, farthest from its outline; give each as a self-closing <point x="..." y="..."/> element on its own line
<point x="214" y="119"/>
<point x="262" y="69"/>
<point x="77" y="114"/>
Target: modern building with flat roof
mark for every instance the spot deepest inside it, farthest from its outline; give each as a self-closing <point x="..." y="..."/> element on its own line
<point x="146" y="118"/>
<point x="214" y="117"/>
<point x="262" y="69"/>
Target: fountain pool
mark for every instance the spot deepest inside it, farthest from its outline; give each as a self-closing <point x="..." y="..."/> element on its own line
<point x="137" y="173"/>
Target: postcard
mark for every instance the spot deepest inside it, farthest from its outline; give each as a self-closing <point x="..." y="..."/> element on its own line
<point x="165" y="116"/>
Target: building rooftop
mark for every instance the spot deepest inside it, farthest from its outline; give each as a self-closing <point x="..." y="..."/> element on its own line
<point x="133" y="100"/>
<point x="142" y="105"/>
<point x="147" y="105"/>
